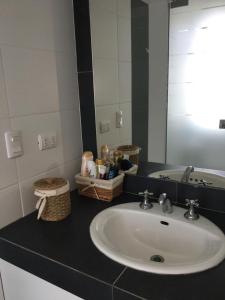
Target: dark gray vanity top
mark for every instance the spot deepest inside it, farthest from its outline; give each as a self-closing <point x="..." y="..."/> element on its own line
<point x="63" y="254"/>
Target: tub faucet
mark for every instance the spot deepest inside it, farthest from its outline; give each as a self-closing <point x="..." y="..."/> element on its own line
<point x="187" y="172"/>
<point x="166" y="204"/>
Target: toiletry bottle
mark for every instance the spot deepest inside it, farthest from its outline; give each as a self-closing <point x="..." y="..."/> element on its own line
<point x="91" y="169"/>
<point x="117" y="157"/>
<point x="105" y="152"/>
<point x="87" y="156"/>
<point x="100" y="163"/>
<point x="113" y="172"/>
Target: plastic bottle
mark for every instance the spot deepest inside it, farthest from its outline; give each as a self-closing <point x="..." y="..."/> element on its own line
<point x="87" y="156"/>
<point x="105" y="152"/>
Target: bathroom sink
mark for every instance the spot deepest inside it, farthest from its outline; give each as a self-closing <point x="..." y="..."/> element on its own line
<point x="196" y="177"/>
<point x="151" y="241"/>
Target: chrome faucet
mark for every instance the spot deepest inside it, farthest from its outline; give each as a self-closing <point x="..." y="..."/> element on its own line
<point x="146" y="203"/>
<point x="191" y="214"/>
<point x="187" y="172"/>
<point x="166" y="204"/>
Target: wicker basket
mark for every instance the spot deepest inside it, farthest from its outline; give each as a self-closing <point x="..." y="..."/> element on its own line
<point x="132" y="171"/>
<point x="131" y="151"/>
<point x="54" y="199"/>
<point x="100" y="189"/>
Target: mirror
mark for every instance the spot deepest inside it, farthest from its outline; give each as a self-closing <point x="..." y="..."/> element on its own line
<point x="158" y="82"/>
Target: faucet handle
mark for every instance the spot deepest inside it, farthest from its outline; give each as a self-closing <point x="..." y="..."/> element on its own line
<point x="145" y="193"/>
<point x="192" y="202"/>
<point x="145" y="204"/>
<point x="191" y="214"/>
<point x="203" y="182"/>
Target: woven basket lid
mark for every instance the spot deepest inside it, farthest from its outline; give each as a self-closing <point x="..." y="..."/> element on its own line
<point x="127" y="148"/>
<point x="50" y="183"/>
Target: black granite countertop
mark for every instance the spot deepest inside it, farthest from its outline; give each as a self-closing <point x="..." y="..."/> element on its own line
<point x="63" y="254"/>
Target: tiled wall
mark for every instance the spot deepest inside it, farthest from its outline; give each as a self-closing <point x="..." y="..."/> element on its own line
<point x="38" y="93"/>
<point x="111" y="52"/>
<point x="158" y="79"/>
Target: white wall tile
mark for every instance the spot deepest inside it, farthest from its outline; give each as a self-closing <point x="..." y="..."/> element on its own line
<point x="112" y="66"/>
<point x="68" y="170"/>
<point x="31" y="80"/>
<point x="126" y="130"/>
<point x="125" y="81"/>
<point x="124" y="8"/>
<point x="43" y="24"/>
<point x="124" y="39"/>
<point x="126" y="142"/>
<point x="3" y="99"/>
<point x="8" y="175"/>
<point x="28" y="198"/>
<point x="71" y="128"/>
<point x="103" y="34"/>
<point x="34" y="161"/>
<point x="107" y="113"/>
<point x="105" y="81"/>
<point x="10" y="205"/>
<point x="67" y="83"/>
<point x="106" y="5"/>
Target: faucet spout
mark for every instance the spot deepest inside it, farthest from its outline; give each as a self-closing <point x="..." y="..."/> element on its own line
<point x="166" y="204"/>
<point x="187" y="172"/>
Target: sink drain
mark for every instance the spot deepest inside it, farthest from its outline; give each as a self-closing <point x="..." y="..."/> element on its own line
<point x="157" y="258"/>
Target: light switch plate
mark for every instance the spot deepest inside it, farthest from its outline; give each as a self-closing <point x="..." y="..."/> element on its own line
<point x="119" y="119"/>
<point x="222" y="124"/>
<point x="13" y="141"/>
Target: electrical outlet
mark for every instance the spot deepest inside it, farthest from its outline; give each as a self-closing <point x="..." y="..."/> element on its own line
<point x="46" y="141"/>
<point x="104" y="126"/>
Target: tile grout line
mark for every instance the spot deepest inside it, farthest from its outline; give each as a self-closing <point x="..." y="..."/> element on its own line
<point x="130" y="293"/>
<point x="42" y="113"/>
<point x="114" y="282"/>
<point x="54" y="261"/>
<point x="117" y="278"/>
<point x="64" y="51"/>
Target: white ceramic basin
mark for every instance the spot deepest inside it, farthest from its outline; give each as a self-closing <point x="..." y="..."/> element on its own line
<point x="195" y="178"/>
<point x="136" y="237"/>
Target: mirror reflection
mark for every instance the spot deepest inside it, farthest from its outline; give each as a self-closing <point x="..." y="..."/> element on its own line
<point x="158" y="82"/>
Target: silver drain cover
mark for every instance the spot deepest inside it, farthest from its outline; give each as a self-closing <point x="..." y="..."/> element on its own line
<point x="157" y="258"/>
